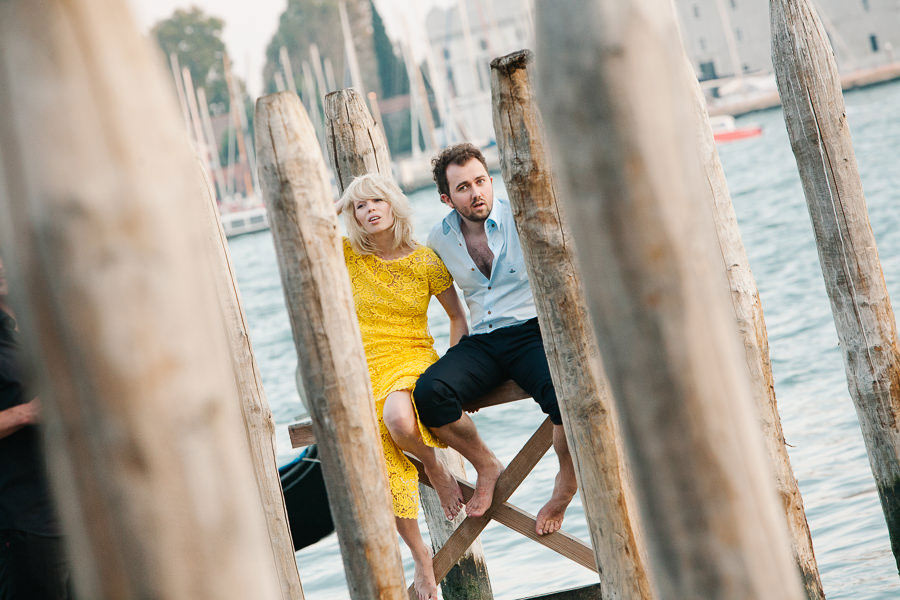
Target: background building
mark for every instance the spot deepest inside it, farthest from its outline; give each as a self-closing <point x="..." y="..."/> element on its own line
<point x="725" y="38"/>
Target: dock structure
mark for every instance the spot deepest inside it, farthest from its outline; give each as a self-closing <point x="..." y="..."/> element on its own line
<point x="101" y="229"/>
<point x="589" y="415"/>
<point x="327" y="338"/>
<point x="748" y="317"/>
<point x="617" y="101"/>
<point x="816" y="120"/>
<point x="259" y="425"/>
<point x="357" y="146"/>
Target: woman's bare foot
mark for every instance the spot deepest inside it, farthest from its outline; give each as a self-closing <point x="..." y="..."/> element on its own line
<point x="447" y="488"/>
<point x="484" y="488"/>
<point x="550" y="517"/>
<point x="423" y="580"/>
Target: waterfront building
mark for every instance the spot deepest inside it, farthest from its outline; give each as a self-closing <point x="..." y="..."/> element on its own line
<point x="725" y="38"/>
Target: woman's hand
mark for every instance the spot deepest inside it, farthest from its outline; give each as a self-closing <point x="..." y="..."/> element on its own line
<point x="339" y="205"/>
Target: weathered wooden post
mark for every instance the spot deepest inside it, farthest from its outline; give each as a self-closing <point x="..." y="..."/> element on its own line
<point x="100" y="225"/>
<point x="752" y="327"/>
<point x="582" y="388"/>
<point x="258" y="423"/>
<point x="326" y="335"/>
<point x="617" y="106"/>
<point x="357" y="146"/>
<point x="816" y="119"/>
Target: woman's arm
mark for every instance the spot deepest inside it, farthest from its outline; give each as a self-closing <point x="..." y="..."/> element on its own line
<point x="449" y="299"/>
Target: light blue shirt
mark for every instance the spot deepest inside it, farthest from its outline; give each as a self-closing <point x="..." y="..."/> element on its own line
<point x="503" y="300"/>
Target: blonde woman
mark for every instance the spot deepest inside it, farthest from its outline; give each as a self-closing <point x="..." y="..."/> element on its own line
<point x="393" y="278"/>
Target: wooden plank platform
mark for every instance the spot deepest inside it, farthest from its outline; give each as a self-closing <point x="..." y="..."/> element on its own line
<point x="588" y="592"/>
<point x="301" y="433"/>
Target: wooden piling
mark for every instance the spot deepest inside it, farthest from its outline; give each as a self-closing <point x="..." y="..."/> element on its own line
<point x="357" y="146"/>
<point x="752" y="328"/>
<point x="581" y="386"/>
<point x="326" y="335"/>
<point x="101" y="230"/>
<point x="258" y="422"/>
<point x="816" y="119"/>
<point x="617" y="105"/>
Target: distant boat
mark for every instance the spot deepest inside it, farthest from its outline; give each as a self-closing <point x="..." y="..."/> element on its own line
<point x="725" y="129"/>
<point x="248" y="220"/>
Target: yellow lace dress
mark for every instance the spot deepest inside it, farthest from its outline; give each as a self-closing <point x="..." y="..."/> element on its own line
<point x="392" y="299"/>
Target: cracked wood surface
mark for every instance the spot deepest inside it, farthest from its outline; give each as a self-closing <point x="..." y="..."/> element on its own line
<point x="617" y="105"/>
<point x="100" y="214"/>
<point x="326" y="336"/>
<point x="582" y="389"/>
<point x="816" y="120"/>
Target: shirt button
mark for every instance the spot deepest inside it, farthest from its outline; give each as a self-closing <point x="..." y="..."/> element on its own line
<point x="473" y="268"/>
<point x="460" y="245"/>
<point x="489" y="312"/>
<point x="489" y="326"/>
<point x="489" y="287"/>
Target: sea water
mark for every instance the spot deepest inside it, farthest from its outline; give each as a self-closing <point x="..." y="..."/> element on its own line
<point x="820" y="424"/>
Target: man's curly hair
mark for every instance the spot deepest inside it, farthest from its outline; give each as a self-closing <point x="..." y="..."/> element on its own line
<point x="458" y="154"/>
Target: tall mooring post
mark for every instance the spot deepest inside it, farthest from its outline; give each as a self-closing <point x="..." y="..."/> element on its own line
<point x="751" y="325"/>
<point x="101" y="227"/>
<point x="326" y="336"/>
<point x="617" y="102"/>
<point x="816" y="119"/>
<point x="587" y="408"/>
<point x="357" y="146"/>
<point x="258" y="422"/>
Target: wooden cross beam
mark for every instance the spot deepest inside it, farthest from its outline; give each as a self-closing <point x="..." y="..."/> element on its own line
<point x="513" y="475"/>
<point x="500" y="510"/>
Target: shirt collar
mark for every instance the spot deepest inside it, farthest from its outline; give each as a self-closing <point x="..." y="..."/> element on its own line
<point x="451" y="221"/>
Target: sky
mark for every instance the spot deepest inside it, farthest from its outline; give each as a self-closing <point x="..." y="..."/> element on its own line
<point x="249" y="25"/>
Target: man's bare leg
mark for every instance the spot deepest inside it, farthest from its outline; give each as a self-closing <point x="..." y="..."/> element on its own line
<point x="423" y="580"/>
<point x="550" y="517"/>
<point x="462" y="436"/>
<point x="400" y="420"/>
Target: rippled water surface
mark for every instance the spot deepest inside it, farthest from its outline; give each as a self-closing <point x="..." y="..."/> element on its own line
<point x="820" y="424"/>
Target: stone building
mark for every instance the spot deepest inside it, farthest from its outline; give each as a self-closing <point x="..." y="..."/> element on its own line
<point x="725" y="37"/>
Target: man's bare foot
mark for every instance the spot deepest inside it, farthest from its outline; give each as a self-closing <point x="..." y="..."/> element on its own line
<point x="423" y="580"/>
<point x="484" y="489"/>
<point x="550" y="517"/>
<point x="447" y="489"/>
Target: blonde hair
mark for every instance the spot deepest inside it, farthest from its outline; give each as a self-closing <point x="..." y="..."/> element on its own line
<point x="369" y="187"/>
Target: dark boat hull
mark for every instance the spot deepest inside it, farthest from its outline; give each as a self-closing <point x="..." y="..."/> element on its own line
<point x="306" y="499"/>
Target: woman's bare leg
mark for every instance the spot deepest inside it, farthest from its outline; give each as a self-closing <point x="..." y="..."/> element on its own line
<point x="423" y="582"/>
<point x="400" y="420"/>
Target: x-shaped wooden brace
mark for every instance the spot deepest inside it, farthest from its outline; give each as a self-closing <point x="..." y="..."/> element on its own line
<point x="501" y="511"/>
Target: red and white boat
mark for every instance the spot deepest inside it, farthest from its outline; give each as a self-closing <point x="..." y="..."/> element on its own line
<point x="725" y="129"/>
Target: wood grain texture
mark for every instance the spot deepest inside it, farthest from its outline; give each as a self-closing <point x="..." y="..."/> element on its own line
<point x="516" y="471"/>
<point x="587" y="408"/>
<point x="357" y="147"/>
<point x="816" y="119"/>
<point x="751" y="325"/>
<point x="617" y="105"/>
<point x="101" y="227"/>
<point x="525" y="523"/>
<point x="588" y="592"/>
<point x="258" y="422"/>
<point x="326" y="336"/>
<point x="355" y="143"/>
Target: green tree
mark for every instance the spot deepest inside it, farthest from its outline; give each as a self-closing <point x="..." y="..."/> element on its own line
<point x="391" y="71"/>
<point x="196" y="39"/>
